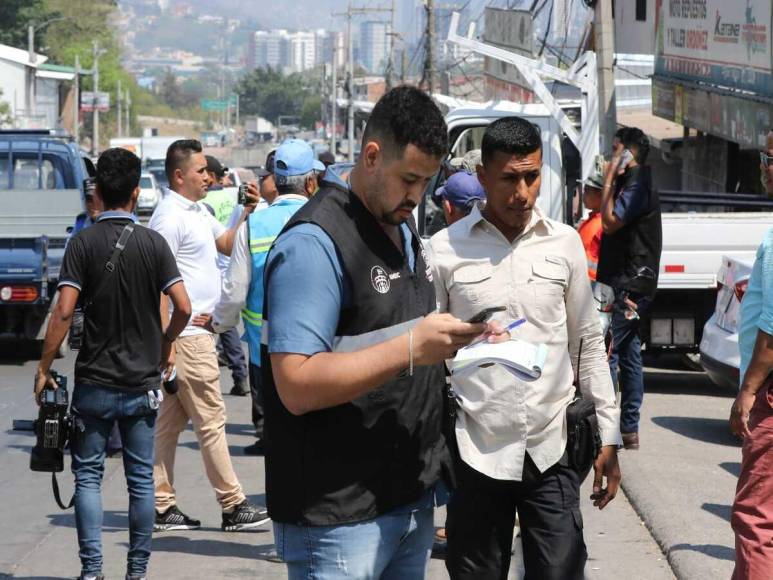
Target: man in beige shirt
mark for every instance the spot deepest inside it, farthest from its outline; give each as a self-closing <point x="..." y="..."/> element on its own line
<point x="511" y="432"/>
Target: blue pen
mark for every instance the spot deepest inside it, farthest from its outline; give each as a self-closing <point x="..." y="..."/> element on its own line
<point x="514" y="325"/>
<point x="508" y="328"/>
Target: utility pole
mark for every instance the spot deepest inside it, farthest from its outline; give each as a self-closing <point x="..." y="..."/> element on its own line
<point x="390" y="71"/>
<point x="334" y="94"/>
<point x="119" y="115"/>
<point x="428" y="74"/>
<point x="127" y="124"/>
<point x="76" y="100"/>
<point x="350" y="12"/>
<point x="604" y="36"/>
<point x="32" y="68"/>
<point x="95" y="137"/>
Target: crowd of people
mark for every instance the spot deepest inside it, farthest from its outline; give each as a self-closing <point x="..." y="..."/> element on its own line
<point x="349" y="320"/>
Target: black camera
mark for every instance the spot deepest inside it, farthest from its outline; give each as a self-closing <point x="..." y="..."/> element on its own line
<point x="52" y="427"/>
<point x="241" y="199"/>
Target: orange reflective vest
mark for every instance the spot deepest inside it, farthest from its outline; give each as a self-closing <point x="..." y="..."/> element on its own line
<point x="590" y="232"/>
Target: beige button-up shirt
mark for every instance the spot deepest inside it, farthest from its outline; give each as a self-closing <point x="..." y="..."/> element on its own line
<point x="541" y="276"/>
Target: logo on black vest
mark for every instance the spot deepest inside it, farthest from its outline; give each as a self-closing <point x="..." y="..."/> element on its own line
<point x="379" y="279"/>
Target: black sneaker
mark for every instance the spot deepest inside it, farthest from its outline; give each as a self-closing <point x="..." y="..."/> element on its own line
<point x="174" y="519"/>
<point x="239" y="390"/>
<point x="245" y="517"/>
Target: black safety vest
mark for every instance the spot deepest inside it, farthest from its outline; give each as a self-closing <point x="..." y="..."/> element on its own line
<point x="359" y="460"/>
<point x="629" y="259"/>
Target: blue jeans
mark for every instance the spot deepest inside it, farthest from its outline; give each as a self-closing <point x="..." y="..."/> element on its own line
<point x="626" y="356"/>
<point x="394" y="546"/>
<point x="231" y="347"/>
<point x="95" y="409"/>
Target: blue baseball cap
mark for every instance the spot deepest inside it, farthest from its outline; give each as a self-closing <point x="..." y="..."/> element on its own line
<point x="295" y="157"/>
<point x="462" y="189"/>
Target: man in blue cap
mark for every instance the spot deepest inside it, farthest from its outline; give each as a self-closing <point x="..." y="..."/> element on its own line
<point x="459" y="195"/>
<point x="295" y="174"/>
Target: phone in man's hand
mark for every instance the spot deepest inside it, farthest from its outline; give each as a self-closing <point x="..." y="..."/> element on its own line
<point x="485" y="314"/>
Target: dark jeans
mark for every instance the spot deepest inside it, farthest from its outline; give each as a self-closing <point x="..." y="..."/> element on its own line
<point x="481" y="517"/>
<point x="231" y="347"/>
<point x="626" y="357"/>
<point x="257" y="398"/>
<point x="95" y="409"/>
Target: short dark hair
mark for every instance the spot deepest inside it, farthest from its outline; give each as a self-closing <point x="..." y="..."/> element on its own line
<point x="633" y="136"/>
<point x="178" y="153"/>
<point x="511" y="135"/>
<point x="118" y="175"/>
<point x="405" y="115"/>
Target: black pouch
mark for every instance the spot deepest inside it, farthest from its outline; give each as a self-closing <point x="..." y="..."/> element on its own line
<point x="583" y="439"/>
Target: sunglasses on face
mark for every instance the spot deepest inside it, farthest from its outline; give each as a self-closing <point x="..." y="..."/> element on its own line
<point x="766" y="159"/>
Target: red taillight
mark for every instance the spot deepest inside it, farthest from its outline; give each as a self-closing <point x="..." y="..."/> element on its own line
<point x="674" y="269"/>
<point x="18" y="293"/>
<point x="740" y="289"/>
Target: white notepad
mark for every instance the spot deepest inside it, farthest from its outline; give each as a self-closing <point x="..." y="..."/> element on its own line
<point x="517" y="356"/>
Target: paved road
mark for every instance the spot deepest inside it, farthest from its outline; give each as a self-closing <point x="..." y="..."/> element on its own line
<point x="682" y="480"/>
<point x="681" y="483"/>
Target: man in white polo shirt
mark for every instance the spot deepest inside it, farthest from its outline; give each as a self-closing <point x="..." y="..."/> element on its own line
<point x="195" y="238"/>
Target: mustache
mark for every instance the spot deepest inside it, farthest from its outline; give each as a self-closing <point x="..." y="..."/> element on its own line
<point x="409" y="205"/>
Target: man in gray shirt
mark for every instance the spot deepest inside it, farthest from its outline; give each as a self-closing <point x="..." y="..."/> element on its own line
<point x="511" y="431"/>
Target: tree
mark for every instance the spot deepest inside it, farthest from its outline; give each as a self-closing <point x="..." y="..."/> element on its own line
<point x="5" y="112"/>
<point x="269" y="93"/>
<point x="16" y="16"/>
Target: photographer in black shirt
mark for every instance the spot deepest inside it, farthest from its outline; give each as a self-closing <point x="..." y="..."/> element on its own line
<point x="118" y="268"/>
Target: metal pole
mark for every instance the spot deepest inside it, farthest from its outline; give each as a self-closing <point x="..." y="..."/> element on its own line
<point x="119" y="115"/>
<point x="604" y="29"/>
<point x="391" y="40"/>
<point x="32" y="57"/>
<point x="430" y="64"/>
<point x="351" y="84"/>
<point x="76" y="101"/>
<point x="127" y="125"/>
<point x="95" y="138"/>
<point x="334" y="94"/>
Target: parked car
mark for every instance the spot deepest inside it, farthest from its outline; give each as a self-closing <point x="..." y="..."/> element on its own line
<point x="720" y="356"/>
<point x="149" y="194"/>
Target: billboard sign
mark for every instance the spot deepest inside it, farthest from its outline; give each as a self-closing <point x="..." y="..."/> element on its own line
<point x="717" y="42"/>
<point x="91" y="100"/>
<point x="511" y="30"/>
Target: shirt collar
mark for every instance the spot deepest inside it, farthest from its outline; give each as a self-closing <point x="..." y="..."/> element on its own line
<point x="117" y="215"/>
<point x="537" y="218"/>
<point x="181" y="201"/>
<point x="288" y="197"/>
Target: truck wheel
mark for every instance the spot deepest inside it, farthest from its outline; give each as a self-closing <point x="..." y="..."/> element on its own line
<point x="692" y="360"/>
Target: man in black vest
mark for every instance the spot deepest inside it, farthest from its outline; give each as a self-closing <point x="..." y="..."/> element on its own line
<point x="352" y="362"/>
<point x="629" y="262"/>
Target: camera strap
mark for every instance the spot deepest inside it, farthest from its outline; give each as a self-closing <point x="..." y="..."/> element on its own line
<point x="127" y="232"/>
<point x="57" y="496"/>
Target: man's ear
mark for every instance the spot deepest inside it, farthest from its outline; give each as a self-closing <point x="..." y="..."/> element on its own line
<point x="481" y="172"/>
<point x="135" y="195"/>
<point x="371" y="155"/>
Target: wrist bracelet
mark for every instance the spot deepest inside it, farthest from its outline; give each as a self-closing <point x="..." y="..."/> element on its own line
<point x="410" y="353"/>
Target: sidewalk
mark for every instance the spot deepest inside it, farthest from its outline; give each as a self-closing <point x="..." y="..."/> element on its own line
<point x="46" y="547"/>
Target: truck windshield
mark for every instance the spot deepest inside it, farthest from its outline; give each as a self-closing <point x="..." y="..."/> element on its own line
<point x="27" y="171"/>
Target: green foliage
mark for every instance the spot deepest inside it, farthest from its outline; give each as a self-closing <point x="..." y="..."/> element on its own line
<point x="268" y="93"/>
<point x="15" y="16"/>
<point x="5" y="111"/>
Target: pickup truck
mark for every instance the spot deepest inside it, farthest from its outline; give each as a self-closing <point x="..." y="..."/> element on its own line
<point x="41" y="193"/>
<point x="698" y="228"/>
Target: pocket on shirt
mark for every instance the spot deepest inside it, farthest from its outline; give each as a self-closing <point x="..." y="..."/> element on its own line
<point x="546" y="289"/>
<point x="473" y="284"/>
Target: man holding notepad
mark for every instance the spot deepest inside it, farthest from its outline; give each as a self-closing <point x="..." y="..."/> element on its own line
<point x="511" y="426"/>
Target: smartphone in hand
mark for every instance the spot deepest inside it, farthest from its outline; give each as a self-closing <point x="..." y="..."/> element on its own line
<point x="485" y="314"/>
